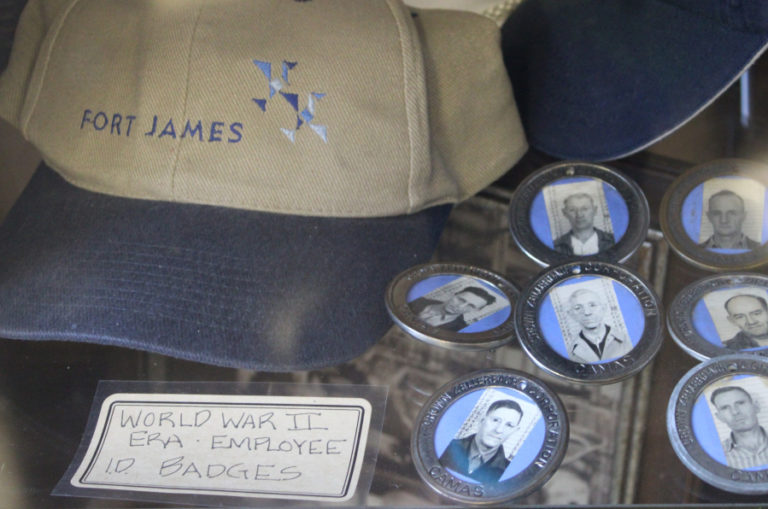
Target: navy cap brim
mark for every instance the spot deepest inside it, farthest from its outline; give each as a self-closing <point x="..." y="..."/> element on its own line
<point x="221" y="286"/>
<point x="598" y="80"/>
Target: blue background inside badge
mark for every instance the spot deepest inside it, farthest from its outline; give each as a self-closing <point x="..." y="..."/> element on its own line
<point x="705" y="326"/>
<point x="489" y="322"/>
<point x="617" y="208"/>
<point x="703" y="424"/>
<point x="630" y="307"/>
<point x="691" y="215"/>
<point x="457" y="413"/>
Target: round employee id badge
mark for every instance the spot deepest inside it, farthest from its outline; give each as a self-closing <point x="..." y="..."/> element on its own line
<point x="572" y="210"/>
<point x="489" y="437"/>
<point x="717" y="419"/>
<point x="714" y="215"/>
<point x="453" y="305"/>
<point x="721" y="315"/>
<point x="589" y="322"/>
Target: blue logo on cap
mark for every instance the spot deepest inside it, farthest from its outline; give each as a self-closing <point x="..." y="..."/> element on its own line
<point x="278" y="86"/>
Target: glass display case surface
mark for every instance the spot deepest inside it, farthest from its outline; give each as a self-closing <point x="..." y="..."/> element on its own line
<point x="619" y="451"/>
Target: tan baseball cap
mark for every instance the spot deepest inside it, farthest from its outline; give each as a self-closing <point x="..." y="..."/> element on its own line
<point x="235" y="182"/>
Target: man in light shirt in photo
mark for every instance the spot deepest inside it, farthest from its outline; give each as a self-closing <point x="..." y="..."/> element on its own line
<point x="597" y="341"/>
<point x="747" y="443"/>
<point x="583" y="238"/>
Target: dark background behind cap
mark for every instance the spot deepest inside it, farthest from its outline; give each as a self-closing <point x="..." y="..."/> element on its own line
<point x="599" y="80"/>
<point x="10" y="11"/>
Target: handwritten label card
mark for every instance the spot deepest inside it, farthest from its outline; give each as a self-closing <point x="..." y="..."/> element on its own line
<point x="247" y="446"/>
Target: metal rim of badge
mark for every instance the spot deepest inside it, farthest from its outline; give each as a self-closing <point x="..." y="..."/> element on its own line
<point x="522" y="201"/>
<point x="671" y="213"/>
<point x="537" y="347"/>
<point x="680" y="314"/>
<point x="539" y="464"/>
<point x="680" y="424"/>
<point x="401" y="313"/>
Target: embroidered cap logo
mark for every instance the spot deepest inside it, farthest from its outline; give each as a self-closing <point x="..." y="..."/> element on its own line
<point x="278" y="86"/>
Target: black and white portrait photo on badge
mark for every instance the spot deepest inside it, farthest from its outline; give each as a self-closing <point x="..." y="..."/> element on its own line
<point x="457" y="304"/>
<point x="589" y="321"/>
<point x="492" y="433"/>
<point x="570" y="210"/>
<point x="739" y="412"/>
<point x="737" y="318"/>
<point x="579" y="218"/>
<point x="733" y="214"/>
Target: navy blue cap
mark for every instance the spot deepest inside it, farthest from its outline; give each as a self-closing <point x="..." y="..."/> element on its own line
<point x="209" y="284"/>
<point x="600" y="79"/>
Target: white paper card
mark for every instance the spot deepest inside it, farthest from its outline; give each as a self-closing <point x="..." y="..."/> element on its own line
<point x="247" y="446"/>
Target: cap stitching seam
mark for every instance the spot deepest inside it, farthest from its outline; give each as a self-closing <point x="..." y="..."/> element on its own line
<point x="243" y="205"/>
<point x="177" y="155"/>
<point x="408" y="114"/>
<point x="44" y="68"/>
<point x="109" y="305"/>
